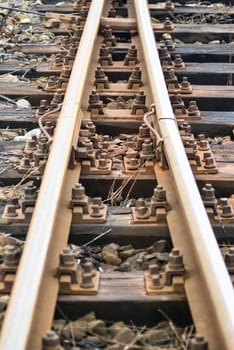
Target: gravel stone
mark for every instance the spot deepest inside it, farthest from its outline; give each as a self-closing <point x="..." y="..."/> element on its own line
<point x="110" y="254"/>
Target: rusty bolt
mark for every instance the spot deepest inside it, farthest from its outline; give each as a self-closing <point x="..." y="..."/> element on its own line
<point x="49" y="127"/>
<point x="89" y="146"/>
<point x="186" y="127"/>
<point x="91" y="127"/>
<point x="140" y="98"/>
<point x="131" y="56"/>
<point x="175" y="259"/>
<point x="72" y="51"/>
<point x="67" y="258"/>
<point x="201" y="137"/>
<point x="107" y="32"/>
<point x="153" y="269"/>
<point x="168" y="25"/>
<point x="25" y="162"/>
<point x="88" y="267"/>
<point x="42" y="107"/>
<point x="10" y="211"/>
<point x="156" y="283"/>
<point x="14" y="201"/>
<point x="66" y="71"/>
<point x="105" y="144"/>
<point x="58" y="60"/>
<point x="229" y="257"/>
<point x="142" y="212"/>
<point x="227" y="211"/>
<point x="223" y="201"/>
<point x="102" y="163"/>
<point x="133" y="163"/>
<point x="96" y="213"/>
<point x="198" y="342"/>
<point x="193" y="109"/>
<point x="192" y="144"/>
<point x="159" y="194"/>
<point x="112" y="12"/>
<point x="78" y="191"/>
<point x="42" y="146"/>
<point x="106" y="138"/>
<point x="84" y="12"/>
<point x="30" y="192"/>
<point x="178" y="62"/>
<point x="177" y="99"/>
<point x="206" y="155"/>
<point x="185" y="85"/>
<point x="99" y="73"/>
<point x="51" y="83"/>
<point x="11" y="255"/>
<point x="169" y="43"/>
<point x="64" y="74"/>
<point x="98" y="201"/>
<point x="31" y="145"/>
<point x="77" y="32"/>
<point x="169" y="74"/>
<point x="163" y="52"/>
<point x="169" y="5"/>
<point x="132" y="51"/>
<point x="208" y="192"/>
<point x="104" y="155"/>
<point x="209" y="163"/>
<point x="86" y="280"/>
<point x="136" y="73"/>
<point x="204" y="145"/>
<point x="198" y="160"/>
<point x="140" y="202"/>
<point x="51" y="341"/>
<point x="57" y="97"/>
<point x="94" y="97"/>
<point x="144" y="131"/>
<point x="104" y="51"/>
<point x="147" y="147"/>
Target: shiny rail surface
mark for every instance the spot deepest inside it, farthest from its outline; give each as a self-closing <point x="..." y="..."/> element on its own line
<point x="27" y="287"/>
<point x="216" y="281"/>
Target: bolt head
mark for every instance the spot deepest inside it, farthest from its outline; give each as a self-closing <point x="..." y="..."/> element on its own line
<point x="175" y="259"/>
<point x="67" y="258"/>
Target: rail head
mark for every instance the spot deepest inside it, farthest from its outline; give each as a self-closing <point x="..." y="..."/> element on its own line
<point x="25" y="294"/>
<point x="216" y="279"/>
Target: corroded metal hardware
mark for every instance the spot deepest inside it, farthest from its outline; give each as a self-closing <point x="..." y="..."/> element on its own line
<point x="20" y="210"/>
<point x="51" y="341"/>
<point x="170" y="280"/>
<point x="74" y="279"/>
<point x="153" y="209"/>
<point x="131" y="57"/>
<point x="86" y="209"/>
<point x="8" y="268"/>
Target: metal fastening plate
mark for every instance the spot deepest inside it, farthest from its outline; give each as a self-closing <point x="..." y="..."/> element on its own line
<point x="159" y="217"/>
<point x="202" y="168"/>
<point x="79" y="217"/>
<point x="217" y="217"/>
<point x="147" y="169"/>
<point x="88" y="169"/>
<point x="7" y="276"/>
<point x="177" y="286"/>
<point x="20" y="217"/>
<point x="7" y="284"/>
<point x="67" y="287"/>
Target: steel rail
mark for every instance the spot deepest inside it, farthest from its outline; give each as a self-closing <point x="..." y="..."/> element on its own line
<point x="210" y="264"/>
<point x="25" y="294"/>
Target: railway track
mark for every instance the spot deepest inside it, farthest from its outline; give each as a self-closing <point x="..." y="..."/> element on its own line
<point x="120" y="177"/>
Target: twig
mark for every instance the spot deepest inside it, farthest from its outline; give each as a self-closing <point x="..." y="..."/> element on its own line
<point x="96" y="238"/>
